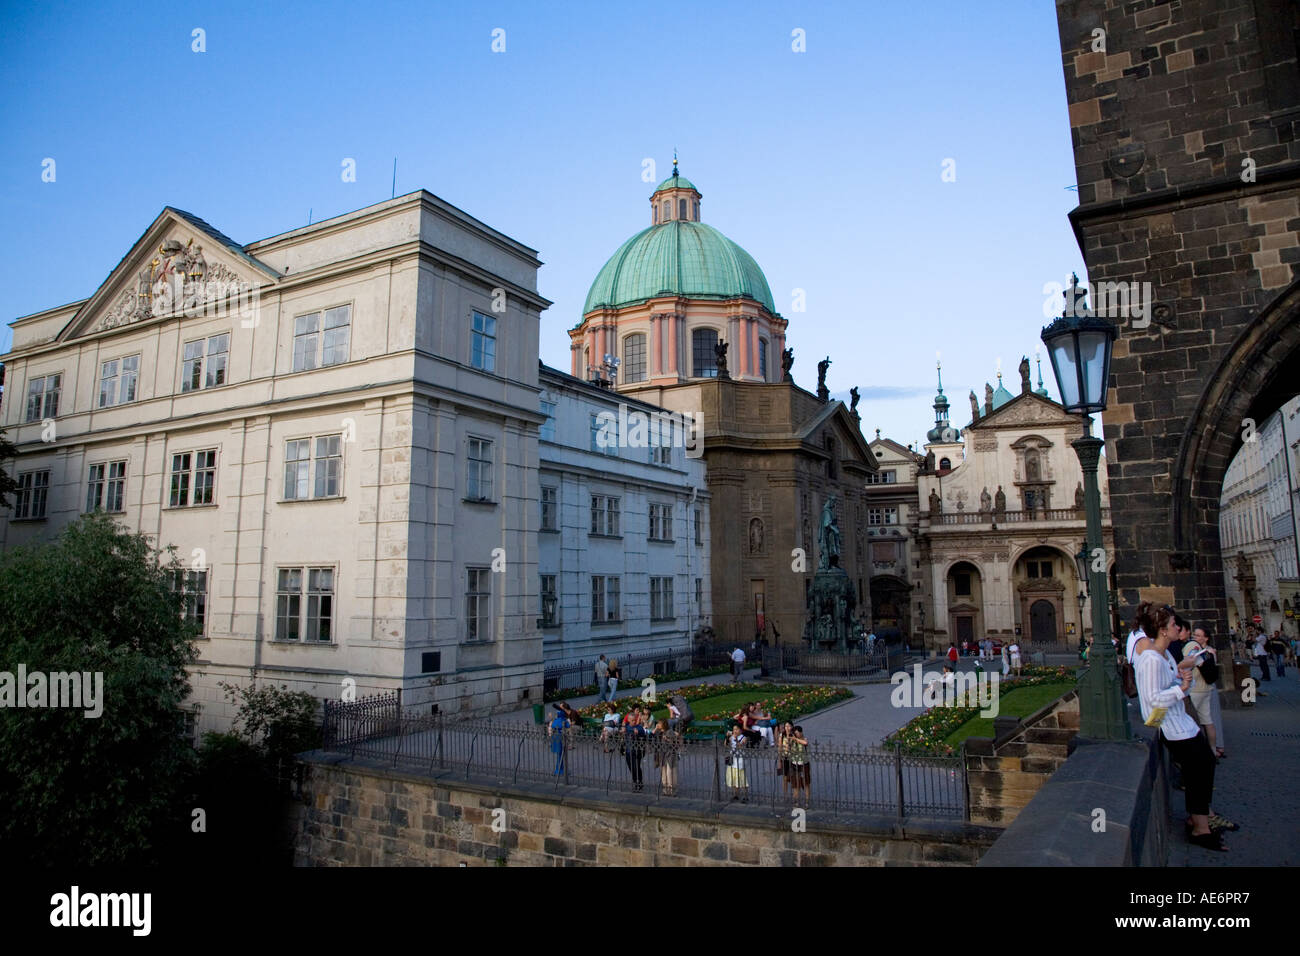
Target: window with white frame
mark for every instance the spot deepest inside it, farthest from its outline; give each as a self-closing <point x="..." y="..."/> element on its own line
<point x="478" y="482"/>
<point x="604" y="515"/>
<point x="884" y="477"/>
<point x="634" y="358"/>
<point x="661" y="599"/>
<point x="546" y="431"/>
<point x="43" y="397"/>
<point x="890" y="515"/>
<point x="604" y="434"/>
<point x="117" y="380"/>
<point x="483" y="344"/>
<point x="106" y="489"/>
<point x="321" y="338"/>
<point x="304" y="608"/>
<point x="327" y="453"/>
<point x="193" y="585"/>
<point x="550" y="601"/>
<point x="194" y="471"/>
<point x="604" y="598"/>
<point x="550" y="507"/>
<point x="30" y="497"/>
<point x="478" y="604"/>
<point x="661" y="522"/>
<point x="204" y="362"/>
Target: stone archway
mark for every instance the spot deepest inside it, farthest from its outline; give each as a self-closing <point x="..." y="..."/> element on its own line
<point x="1252" y="380"/>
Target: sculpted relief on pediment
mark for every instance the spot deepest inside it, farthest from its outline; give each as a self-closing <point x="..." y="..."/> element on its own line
<point x="178" y="279"/>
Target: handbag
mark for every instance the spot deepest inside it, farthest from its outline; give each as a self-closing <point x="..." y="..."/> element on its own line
<point x="1127" y="678"/>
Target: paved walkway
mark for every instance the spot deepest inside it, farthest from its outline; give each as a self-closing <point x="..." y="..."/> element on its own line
<point x="1256" y="785"/>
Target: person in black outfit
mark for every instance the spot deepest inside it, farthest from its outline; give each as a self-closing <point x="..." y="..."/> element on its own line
<point x="634" y="742"/>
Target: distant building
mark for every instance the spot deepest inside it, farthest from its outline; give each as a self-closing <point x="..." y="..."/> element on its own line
<point x="1257" y="524"/>
<point x="682" y="317"/>
<point x="623" y="538"/>
<point x="892" y="522"/>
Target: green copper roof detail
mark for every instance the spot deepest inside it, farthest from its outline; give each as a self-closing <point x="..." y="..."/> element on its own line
<point x="676" y="182"/>
<point x="678" y="258"/>
<point x="1000" y="395"/>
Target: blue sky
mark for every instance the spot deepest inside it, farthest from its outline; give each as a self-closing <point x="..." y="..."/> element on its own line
<point x="825" y="165"/>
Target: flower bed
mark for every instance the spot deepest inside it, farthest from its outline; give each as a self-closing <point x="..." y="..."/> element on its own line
<point x="590" y="690"/>
<point x="783" y="702"/>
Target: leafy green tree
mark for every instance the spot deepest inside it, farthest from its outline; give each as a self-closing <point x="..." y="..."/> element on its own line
<point x="80" y="790"/>
<point x="7" y="483"/>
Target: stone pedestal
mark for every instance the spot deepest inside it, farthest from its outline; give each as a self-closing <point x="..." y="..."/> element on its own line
<point x="829" y="625"/>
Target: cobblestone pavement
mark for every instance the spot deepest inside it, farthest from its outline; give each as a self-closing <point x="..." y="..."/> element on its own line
<point x="1256" y="785"/>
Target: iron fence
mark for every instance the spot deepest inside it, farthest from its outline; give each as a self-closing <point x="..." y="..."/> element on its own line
<point x="581" y="672"/>
<point x="673" y="769"/>
<point x="793" y="662"/>
<point x="367" y="718"/>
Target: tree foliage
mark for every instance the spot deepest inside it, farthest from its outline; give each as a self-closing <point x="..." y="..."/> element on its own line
<point x="79" y="790"/>
<point x="8" y="485"/>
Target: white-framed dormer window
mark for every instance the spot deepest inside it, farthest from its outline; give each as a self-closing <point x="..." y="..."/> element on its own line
<point x="43" y="397"/>
<point x="117" y="380"/>
<point x="194" y="478"/>
<point x="204" y="362"/>
<point x="321" y="338"/>
<point x="327" y="452"/>
<point x="478" y="475"/>
<point x="483" y="344"/>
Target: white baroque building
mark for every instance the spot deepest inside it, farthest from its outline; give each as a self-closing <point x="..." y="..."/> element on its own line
<point x="1257" y="524"/>
<point x="623" y="537"/>
<point x="336" y="427"/>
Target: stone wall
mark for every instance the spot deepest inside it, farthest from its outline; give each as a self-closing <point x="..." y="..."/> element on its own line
<point x="360" y="814"/>
<point x="1188" y="162"/>
<point x="1003" y="775"/>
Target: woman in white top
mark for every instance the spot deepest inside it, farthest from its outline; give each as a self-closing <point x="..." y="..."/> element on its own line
<point x="1015" y="657"/>
<point x="1163" y="683"/>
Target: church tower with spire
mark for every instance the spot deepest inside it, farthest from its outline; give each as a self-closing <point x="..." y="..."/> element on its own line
<point x="943" y="442"/>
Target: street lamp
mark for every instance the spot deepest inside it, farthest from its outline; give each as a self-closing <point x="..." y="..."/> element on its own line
<point x="1079" y="346"/>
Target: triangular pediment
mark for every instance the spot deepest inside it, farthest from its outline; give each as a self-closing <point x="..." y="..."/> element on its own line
<point x="180" y="266"/>
<point x="1026" y="409"/>
<point x="839" y="419"/>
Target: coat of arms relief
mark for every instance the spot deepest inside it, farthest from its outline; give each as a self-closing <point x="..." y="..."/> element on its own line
<point x="178" y="279"/>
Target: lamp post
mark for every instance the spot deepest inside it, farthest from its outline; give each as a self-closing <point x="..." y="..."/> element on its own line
<point x="1079" y="346"/>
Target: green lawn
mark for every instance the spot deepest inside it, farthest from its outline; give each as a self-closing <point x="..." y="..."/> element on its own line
<point x="1015" y="703"/>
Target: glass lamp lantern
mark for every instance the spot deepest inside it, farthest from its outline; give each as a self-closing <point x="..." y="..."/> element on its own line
<point x="1079" y="346"/>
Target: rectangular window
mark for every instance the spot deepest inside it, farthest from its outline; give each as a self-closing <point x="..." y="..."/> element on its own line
<point x="699" y="525"/>
<point x="661" y="522"/>
<point x="319" y="606"/>
<point x="31" y="495"/>
<point x="699" y="592"/>
<point x="194" y="586"/>
<point x="321" y="339"/>
<point x="962" y="581"/>
<point x="661" y="455"/>
<point x="634" y="358"/>
<point x="604" y="434"/>
<point x="478" y="484"/>
<point x="43" y="397"/>
<point x="204" y="362"/>
<point x="328" y="483"/>
<point x="762" y="359"/>
<point x="875" y="516"/>
<point x="661" y="599"/>
<point x="483" y="350"/>
<point x="604" y="598"/>
<point x="117" y="381"/>
<point x="478" y="604"/>
<point x="107" y="487"/>
<point x="550" y="503"/>
<point x="604" y="515"/>
<point x="546" y="432"/>
<point x="891" y="515"/>
<point x="550" y="601"/>
<point x="196" y="471"/>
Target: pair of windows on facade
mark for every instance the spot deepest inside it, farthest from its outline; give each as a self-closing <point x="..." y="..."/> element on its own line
<point x="704" y="360"/>
<point x="604" y="594"/>
<point x="1038" y="569"/>
<point x="304" y="605"/>
<point x="889" y="477"/>
<point x="882" y="516"/>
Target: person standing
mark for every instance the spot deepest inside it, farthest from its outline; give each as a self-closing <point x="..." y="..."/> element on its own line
<point x="1006" y="659"/>
<point x="685" y="714"/>
<point x="952" y="656"/>
<point x="800" y="770"/>
<point x="1261" y="655"/>
<point x="602" y="678"/>
<point x="1015" y="657"/>
<point x="668" y="746"/>
<point x="1162" y="685"/>
<point x="1203" y="693"/>
<point x="1277" y="647"/>
<point x="634" y="743"/>
<point x="556" y="732"/>
<point x="613" y="673"/>
<point x="736" y="778"/>
<point x="737" y="665"/>
<point x="784" y="735"/>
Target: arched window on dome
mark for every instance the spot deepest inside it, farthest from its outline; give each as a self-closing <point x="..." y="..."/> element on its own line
<point x="634" y="358"/>
<point x="681" y="209"/>
<point x="762" y="359"/>
<point x="667" y="209"/>
<point x="704" y="361"/>
<point x="655" y="207"/>
<point x="695" y="208"/>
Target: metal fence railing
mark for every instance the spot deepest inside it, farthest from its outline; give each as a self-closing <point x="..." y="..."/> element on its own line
<point x="582" y="671"/>
<point x="347" y="722"/>
<point x="669" y="770"/>
<point x="797" y="661"/>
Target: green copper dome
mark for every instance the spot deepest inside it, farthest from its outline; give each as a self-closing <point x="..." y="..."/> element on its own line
<point x="676" y="182"/>
<point x="1000" y="395"/>
<point x="678" y="258"/>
